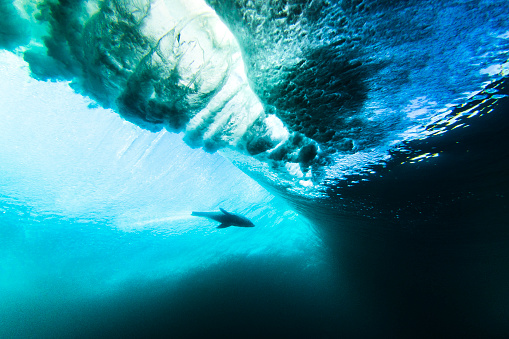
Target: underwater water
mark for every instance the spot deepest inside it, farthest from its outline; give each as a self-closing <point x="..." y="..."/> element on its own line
<point x="366" y="140"/>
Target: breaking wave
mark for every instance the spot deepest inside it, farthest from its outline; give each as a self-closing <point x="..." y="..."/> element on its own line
<point x="296" y="93"/>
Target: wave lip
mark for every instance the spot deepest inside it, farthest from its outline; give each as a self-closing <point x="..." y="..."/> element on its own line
<point x="163" y="64"/>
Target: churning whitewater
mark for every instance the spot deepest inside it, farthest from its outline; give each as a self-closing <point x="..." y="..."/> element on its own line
<point x="296" y="93"/>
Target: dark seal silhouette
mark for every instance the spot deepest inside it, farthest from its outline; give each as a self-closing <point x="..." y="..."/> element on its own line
<point x="226" y="219"/>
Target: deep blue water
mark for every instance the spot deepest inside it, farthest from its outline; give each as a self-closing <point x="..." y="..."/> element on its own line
<point x="366" y="140"/>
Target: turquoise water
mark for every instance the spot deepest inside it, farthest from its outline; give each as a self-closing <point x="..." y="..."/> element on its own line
<point x="91" y="204"/>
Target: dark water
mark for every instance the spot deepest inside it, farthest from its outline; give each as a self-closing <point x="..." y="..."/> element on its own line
<point x="428" y="254"/>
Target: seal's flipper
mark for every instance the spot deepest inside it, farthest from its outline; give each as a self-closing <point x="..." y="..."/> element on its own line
<point x="222" y="210"/>
<point x="223" y="226"/>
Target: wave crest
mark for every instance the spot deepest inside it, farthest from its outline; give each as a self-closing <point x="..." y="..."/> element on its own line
<point x="303" y="91"/>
